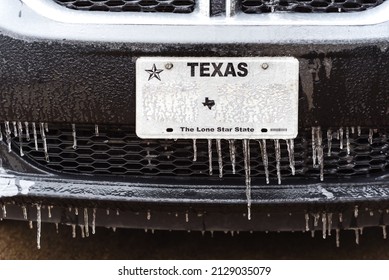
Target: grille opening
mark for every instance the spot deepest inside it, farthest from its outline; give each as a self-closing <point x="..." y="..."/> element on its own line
<point x="118" y="151"/>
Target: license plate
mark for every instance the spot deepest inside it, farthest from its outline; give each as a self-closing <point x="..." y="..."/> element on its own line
<point x="217" y="98"/>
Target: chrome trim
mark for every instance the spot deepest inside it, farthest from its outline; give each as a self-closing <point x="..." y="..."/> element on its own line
<point x="56" y="12"/>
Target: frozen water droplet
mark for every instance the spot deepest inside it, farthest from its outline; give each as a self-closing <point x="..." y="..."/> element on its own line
<point x="43" y="136"/>
<point x="24" y="210"/>
<point x="27" y="131"/>
<point x="56" y="228"/>
<point x="371" y="131"/>
<point x="324" y="222"/>
<point x="356" y="230"/>
<point x="347" y="141"/>
<point x="15" y="129"/>
<point x="290" y="145"/>
<point x="4" y="209"/>
<point x="74" y="133"/>
<point x="74" y="232"/>
<point x="356" y="211"/>
<point x="278" y="159"/>
<point x="49" y="211"/>
<point x="359" y="130"/>
<point x="219" y="157"/>
<point x="148" y="215"/>
<point x="329" y="139"/>
<point x="94" y="221"/>
<point x="231" y="145"/>
<point x="246" y="155"/>
<point x="194" y="150"/>
<point x="329" y="220"/>
<point x="187" y="217"/>
<point x="8" y="135"/>
<point x="383" y="231"/>
<point x="97" y="130"/>
<point x="341" y="138"/>
<point x="38" y="226"/>
<point x="337" y="237"/>
<point x="82" y="231"/>
<point x="265" y="159"/>
<point x="76" y="211"/>
<point x="210" y="156"/>
<point x="20" y="130"/>
<point x="35" y="136"/>
<point x="306" y="221"/>
<point x="86" y="222"/>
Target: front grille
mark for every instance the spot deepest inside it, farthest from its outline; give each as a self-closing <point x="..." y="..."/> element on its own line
<point x="157" y="6"/>
<point x="307" y="6"/>
<point x="118" y="151"/>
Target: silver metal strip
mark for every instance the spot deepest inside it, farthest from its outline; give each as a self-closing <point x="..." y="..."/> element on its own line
<point x="53" y="11"/>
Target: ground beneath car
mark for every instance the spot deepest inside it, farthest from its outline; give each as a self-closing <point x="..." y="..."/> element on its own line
<point x="17" y="241"/>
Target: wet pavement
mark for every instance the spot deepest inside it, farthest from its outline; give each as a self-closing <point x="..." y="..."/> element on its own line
<point x="18" y="241"/>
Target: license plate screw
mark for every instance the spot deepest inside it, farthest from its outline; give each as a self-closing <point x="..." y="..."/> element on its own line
<point x="265" y="66"/>
<point x="169" y="66"/>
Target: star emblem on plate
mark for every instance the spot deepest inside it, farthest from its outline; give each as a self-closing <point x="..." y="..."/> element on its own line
<point x="154" y="72"/>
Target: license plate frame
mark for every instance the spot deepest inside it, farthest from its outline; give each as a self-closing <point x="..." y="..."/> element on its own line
<point x="217" y="97"/>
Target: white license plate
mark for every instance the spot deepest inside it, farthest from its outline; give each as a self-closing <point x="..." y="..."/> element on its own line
<point x="217" y="98"/>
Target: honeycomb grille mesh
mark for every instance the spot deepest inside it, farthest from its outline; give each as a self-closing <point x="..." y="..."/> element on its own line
<point x="307" y="6"/>
<point x="118" y="151"/>
<point x="156" y="6"/>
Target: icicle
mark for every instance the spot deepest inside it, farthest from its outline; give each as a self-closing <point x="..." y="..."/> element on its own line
<point x="20" y="130"/>
<point x="290" y="145"/>
<point x="43" y="135"/>
<point x="232" y="233"/>
<point x="384" y="231"/>
<point x="278" y="159"/>
<point x="27" y="131"/>
<point x="316" y="219"/>
<point x="324" y="222"/>
<point x="46" y="127"/>
<point x="8" y="135"/>
<point x="76" y="211"/>
<point x="359" y="130"/>
<point x="306" y="221"/>
<point x="211" y="233"/>
<point x="352" y="129"/>
<point x="247" y="169"/>
<point x="74" y="232"/>
<point x="15" y="129"/>
<point x="314" y="147"/>
<point x="94" y="221"/>
<point x="337" y="237"/>
<point x="371" y="213"/>
<point x="361" y="230"/>
<point x="148" y="215"/>
<point x="74" y="136"/>
<point x="1" y="134"/>
<point x="341" y="138"/>
<point x="49" y="211"/>
<point x="356" y="230"/>
<point x="220" y="157"/>
<point x="371" y="131"/>
<point x="56" y="228"/>
<point x="35" y="136"/>
<point x="38" y="226"/>
<point x="356" y="211"/>
<point x="24" y="210"/>
<point x="86" y="222"/>
<point x="194" y="150"/>
<point x="329" y="139"/>
<point x="82" y="231"/>
<point x="313" y="233"/>
<point x="187" y="217"/>
<point x="107" y="211"/>
<point x="210" y="155"/>
<point x="320" y="152"/>
<point x="202" y="233"/>
<point x="30" y="225"/>
<point x="4" y="209"/>
<point x="329" y="219"/>
<point x="117" y="212"/>
<point x="265" y="159"/>
<point x="231" y="145"/>
<point x="114" y="230"/>
<point x="347" y="141"/>
<point x="340" y="218"/>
